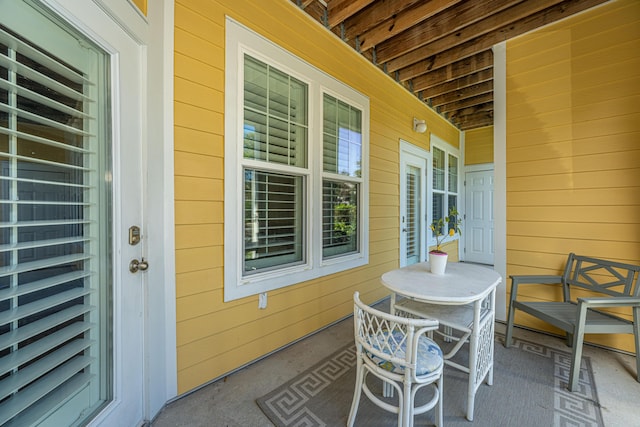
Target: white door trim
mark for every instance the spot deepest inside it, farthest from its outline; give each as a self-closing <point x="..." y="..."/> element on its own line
<point x="162" y="370"/>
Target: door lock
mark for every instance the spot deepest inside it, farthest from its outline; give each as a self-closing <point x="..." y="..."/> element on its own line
<point x="134" y="235"/>
<point x="136" y="265"/>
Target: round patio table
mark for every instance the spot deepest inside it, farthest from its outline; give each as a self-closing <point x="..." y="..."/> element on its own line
<point x="462" y="299"/>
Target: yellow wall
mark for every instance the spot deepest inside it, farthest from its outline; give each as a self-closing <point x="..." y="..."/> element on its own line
<point x="478" y="146"/>
<point x="573" y="150"/>
<point x="141" y="4"/>
<point x="214" y="337"/>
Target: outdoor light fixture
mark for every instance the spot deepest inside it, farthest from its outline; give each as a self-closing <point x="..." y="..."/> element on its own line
<point x="419" y="126"/>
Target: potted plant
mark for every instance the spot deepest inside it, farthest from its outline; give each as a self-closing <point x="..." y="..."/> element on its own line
<point x="437" y="257"/>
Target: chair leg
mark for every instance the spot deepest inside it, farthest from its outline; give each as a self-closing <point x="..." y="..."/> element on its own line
<point x="406" y="405"/>
<point x="509" y="332"/>
<point x="576" y="359"/>
<point x="439" y="411"/>
<point x="636" y="333"/>
<point x="356" y="394"/>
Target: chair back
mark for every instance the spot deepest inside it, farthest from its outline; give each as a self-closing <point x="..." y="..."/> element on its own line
<point x="391" y="338"/>
<point x="600" y="276"/>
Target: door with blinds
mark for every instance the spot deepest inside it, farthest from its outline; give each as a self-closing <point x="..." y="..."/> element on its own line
<point x="70" y="310"/>
<point x="413" y="187"/>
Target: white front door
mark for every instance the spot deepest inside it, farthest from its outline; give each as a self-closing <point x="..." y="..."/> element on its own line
<point x="479" y="246"/>
<point x="71" y="312"/>
<point x="413" y="208"/>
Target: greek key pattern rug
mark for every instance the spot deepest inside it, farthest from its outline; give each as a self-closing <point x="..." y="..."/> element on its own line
<point x="529" y="389"/>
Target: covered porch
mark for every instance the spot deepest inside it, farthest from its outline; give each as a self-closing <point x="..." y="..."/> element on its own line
<point x="231" y="401"/>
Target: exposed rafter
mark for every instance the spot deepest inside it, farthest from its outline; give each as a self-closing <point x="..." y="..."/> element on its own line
<point x="441" y="50"/>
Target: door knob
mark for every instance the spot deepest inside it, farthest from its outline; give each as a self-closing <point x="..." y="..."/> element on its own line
<point x="136" y="265"/>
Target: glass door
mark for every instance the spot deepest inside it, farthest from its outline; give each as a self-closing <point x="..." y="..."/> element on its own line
<point x="413" y="187"/>
<point x="61" y="281"/>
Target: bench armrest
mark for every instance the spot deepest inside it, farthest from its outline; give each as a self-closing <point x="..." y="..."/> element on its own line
<point x="531" y="279"/>
<point x="536" y="279"/>
<point x="593" y="302"/>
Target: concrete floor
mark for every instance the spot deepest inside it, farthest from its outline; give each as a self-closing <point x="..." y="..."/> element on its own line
<point x="231" y="402"/>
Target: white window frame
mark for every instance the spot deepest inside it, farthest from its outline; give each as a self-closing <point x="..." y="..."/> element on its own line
<point x="448" y="150"/>
<point x="240" y="41"/>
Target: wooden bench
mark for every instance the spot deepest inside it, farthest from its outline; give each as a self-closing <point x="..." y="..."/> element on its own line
<point x="616" y="285"/>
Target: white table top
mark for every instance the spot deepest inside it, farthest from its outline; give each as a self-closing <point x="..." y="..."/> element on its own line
<point x="461" y="283"/>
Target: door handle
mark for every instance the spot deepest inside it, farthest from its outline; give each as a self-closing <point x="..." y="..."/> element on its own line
<point x="136" y="265"/>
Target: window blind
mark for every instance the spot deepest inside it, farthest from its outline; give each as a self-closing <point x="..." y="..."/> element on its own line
<point x="48" y="233"/>
<point x="413" y="214"/>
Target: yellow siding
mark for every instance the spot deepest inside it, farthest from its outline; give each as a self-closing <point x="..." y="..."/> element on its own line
<point x="573" y="156"/>
<point x="478" y="146"/>
<point x="142" y="5"/>
<point x="214" y="337"/>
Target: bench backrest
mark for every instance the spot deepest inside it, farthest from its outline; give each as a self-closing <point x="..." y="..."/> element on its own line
<point x="611" y="278"/>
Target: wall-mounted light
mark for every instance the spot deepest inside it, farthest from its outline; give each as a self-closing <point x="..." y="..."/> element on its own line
<point x="419" y="126"/>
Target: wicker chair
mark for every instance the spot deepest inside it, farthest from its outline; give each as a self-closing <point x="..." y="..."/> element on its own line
<point x="398" y="351"/>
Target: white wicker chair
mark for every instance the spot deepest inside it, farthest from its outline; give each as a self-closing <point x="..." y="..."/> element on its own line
<point x="398" y="351"/>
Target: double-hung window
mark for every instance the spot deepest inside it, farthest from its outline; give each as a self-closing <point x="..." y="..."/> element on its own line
<point x="445" y="190"/>
<point x="296" y="187"/>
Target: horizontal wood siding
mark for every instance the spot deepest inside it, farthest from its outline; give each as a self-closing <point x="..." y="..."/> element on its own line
<point x="213" y="337"/>
<point x="573" y="150"/>
<point x="142" y="5"/>
<point x="478" y="146"/>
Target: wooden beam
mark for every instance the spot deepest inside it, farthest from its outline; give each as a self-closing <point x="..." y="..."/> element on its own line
<point x="468" y="102"/>
<point x="464" y="50"/>
<point x="444" y="23"/>
<point x="487" y="107"/>
<point x="454" y="85"/>
<point x="396" y="24"/>
<point x="474" y="121"/>
<point x="306" y="3"/>
<point x="458" y="69"/>
<point x="339" y="10"/>
<point x="464" y="93"/>
<point x="374" y="16"/>
<point x="489" y="25"/>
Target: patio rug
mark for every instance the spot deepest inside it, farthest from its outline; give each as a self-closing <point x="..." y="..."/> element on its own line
<point x="529" y="389"/>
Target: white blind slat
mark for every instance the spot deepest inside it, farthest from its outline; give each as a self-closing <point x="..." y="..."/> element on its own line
<point x="33" y="350"/>
<point x="42" y="202"/>
<point x="37" y="77"/>
<point x="44" y="182"/>
<point x="45" y="405"/>
<point x="42" y="263"/>
<point x="44" y="223"/>
<point x="34" y="54"/>
<point x="31" y="394"/>
<point x="41" y="140"/>
<point x="42" y="244"/>
<point x="42" y="366"/>
<point x="39" y="285"/>
<point x="39" y="326"/>
<point x="45" y="162"/>
<point x="43" y="100"/>
<point x="41" y="305"/>
<point x="43" y="120"/>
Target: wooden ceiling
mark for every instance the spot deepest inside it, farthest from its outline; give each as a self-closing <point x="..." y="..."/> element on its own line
<point x="440" y="50"/>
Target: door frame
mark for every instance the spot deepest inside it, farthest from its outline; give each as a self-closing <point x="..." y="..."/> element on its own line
<point x="154" y="35"/>
<point x="406" y="148"/>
